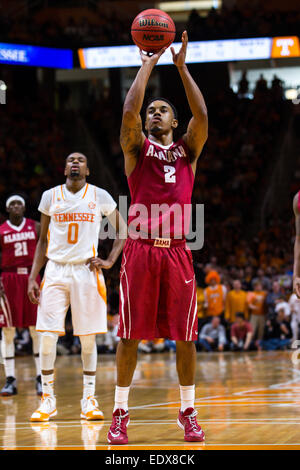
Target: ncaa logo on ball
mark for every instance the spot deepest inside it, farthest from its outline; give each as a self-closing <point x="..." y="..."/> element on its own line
<point x="153" y="37"/>
<point x="92" y="205"/>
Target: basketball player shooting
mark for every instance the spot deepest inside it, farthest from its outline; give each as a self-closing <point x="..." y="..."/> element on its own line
<point x="71" y="215"/>
<point x="157" y="280"/>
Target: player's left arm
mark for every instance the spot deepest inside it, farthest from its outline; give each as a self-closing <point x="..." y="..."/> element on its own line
<point x="197" y="130"/>
<point x="119" y="224"/>
<point x="39" y="259"/>
<point x="37" y="228"/>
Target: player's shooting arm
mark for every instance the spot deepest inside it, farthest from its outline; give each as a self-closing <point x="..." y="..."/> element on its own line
<point x="132" y="136"/>
<point x="296" y="275"/>
<point x="197" y="130"/>
<point x="38" y="260"/>
<point x="120" y="227"/>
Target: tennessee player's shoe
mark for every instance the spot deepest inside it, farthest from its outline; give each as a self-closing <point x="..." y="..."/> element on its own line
<point x="46" y="410"/>
<point x="10" y="387"/>
<point x="118" y="430"/>
<point x="188" y="422"/>
<point x="38" y="385"/>
<point x="90" y="409"/>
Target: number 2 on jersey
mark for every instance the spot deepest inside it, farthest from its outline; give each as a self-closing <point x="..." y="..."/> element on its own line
<point x="170" y="176"/>
<point x="73" y="234"/>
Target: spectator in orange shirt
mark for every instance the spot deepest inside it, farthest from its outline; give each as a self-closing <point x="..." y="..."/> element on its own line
<point x="236" y="301"/>
<point x="200" y="302"/>
<point x="257" y="304"/>
<point x="214" y="295"/>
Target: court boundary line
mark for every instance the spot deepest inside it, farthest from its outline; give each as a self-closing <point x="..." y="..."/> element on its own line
<point x="201" y="445"/>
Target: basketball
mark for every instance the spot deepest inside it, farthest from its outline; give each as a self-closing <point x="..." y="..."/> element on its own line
<point x="153" y="29"/>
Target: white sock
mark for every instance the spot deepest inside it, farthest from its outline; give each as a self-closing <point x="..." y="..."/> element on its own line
<point x="187" y="396"/>
<point x="48" y="384"/>
<point x="37" y="364"/>
<point x="89" y="382"/>
<point x="9" y="367"/>
<point x="35" y="336"/>
<point x="8" y="354"/>
<point x="121" y="398"/>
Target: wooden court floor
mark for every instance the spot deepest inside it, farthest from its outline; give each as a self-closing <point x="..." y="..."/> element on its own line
<point x="244" y="401"/>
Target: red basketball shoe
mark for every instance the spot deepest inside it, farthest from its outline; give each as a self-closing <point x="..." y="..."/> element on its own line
<point x="187" y="421"/>
<point x="118" y="430"/>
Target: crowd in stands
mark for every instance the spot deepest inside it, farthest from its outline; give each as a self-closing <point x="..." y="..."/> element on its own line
<point x="32" y="143"/>
<point x="104" y="29"/>
<point x="260" y="313"/>
<point x="244" y="21"/>
<point x="113" y="28"/>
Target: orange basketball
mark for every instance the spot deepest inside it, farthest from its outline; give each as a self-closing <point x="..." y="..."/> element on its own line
<point x="153" y="29"/>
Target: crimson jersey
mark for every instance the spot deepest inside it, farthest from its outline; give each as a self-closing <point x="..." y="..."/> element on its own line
<point x="163" y="177"/>
<point x="18" y="244"/>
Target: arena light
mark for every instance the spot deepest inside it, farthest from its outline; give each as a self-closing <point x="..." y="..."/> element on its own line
<point x="291" y="94"/>
<point x="19" y="54"/>
<point x="183" y="6"/>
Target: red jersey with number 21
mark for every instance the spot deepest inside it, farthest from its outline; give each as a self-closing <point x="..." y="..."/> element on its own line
<point x="18" y="244"/>
<point x="163" y="175"/>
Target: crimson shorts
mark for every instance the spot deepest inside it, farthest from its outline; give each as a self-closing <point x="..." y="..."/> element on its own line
<point x="23" y="313"/>
<point x="157" y="292"/>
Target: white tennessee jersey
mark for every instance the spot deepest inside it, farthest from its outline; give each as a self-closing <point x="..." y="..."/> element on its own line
<point x="75" y="221"/>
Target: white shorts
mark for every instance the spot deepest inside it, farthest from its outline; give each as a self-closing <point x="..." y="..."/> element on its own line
<point x="72" y="285"/>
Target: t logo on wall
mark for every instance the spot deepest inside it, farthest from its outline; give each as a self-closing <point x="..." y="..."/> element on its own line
<point x="3" y="89"/>
<point x="285" y="47"/>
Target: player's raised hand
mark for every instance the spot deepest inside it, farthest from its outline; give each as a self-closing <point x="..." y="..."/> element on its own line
<point x="179" y="58"/>
<point x="296" y="286"/>
<point x="95" y="264"/>
<point x="33" y="291"/>
<point x="153" y="58"/>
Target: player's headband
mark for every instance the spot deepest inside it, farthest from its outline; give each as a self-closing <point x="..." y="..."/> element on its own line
<point x="14" y="198"/>
<point x="158" y="98"/>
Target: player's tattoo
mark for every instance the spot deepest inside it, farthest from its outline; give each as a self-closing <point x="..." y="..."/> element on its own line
<point x="192" y="140"/>
<point x="131" y="138"/>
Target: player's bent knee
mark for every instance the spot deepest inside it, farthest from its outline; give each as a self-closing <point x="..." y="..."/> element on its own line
<point x="8" y="334"/>
<point x="33" y="332"/>
<point x="185" y="345"/>
<point x="88" y="344"/>
<point x="48" y="342"/>
<point x="130" y="343"/>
